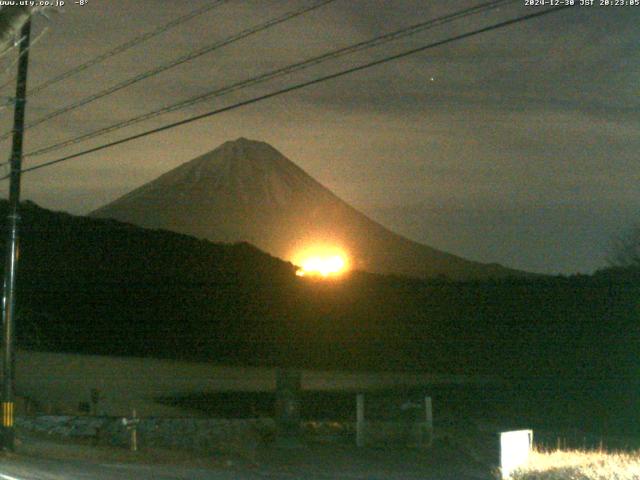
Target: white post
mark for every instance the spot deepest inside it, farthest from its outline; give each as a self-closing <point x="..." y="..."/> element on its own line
<point x="428" y="419"/>
<point x="134" y="432"/>
<point x="360" y="435"/>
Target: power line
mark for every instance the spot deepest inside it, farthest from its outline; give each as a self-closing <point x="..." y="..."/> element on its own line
<point x="298" y="86"/>
<point x="178" y="61"/>
<point x="126" y="46"/>
<point x="305" y="64"/>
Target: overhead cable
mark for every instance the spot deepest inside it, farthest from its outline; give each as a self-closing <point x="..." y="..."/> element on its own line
<point x="299" y="86"/>
<point x="273" y="74"/>
<point x="126" y="46"/>
<point x="173" y="63"/>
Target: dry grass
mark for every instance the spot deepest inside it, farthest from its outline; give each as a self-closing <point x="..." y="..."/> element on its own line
<point x="580" y="465"/>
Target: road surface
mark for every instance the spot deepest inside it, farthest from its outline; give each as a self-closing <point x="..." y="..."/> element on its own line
<point x="46" y="459"/>
<point x="26" y="468"/>
<point x="46" y="469"/>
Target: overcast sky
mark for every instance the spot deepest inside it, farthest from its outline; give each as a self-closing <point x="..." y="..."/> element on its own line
<point x="518" y="146"/>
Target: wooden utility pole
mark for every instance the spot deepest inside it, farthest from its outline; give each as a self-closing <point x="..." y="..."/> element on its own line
<point x="12" y="246"/>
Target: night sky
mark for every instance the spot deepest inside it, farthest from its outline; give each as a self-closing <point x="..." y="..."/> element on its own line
<point x="518" y="146"/>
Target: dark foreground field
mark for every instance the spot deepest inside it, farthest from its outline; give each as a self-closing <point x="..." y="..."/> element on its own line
<point x="567" y="347"/>
<point x="49" y="458"/>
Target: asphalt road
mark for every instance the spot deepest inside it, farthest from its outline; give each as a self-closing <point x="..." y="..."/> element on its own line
<point x="39" y="469"/>
<point x="46" y="460"/>
<point x="47" y="469"/>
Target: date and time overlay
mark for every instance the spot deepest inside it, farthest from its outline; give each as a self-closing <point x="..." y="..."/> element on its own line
<point x="527" y="3"/>
<point x="582" y="3"/>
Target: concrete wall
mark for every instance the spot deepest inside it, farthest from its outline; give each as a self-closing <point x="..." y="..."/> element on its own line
<point x="58" y="383"/>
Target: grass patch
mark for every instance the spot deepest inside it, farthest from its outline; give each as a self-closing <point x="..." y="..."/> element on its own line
<point x="580" y="465"/>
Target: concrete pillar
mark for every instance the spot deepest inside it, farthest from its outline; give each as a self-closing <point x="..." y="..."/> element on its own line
<point x="288" y="388"/>
<point x="428" y="410"/>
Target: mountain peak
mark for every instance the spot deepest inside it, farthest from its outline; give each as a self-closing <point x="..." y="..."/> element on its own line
<point x="246" y="149"/>
<point x="238" y="172"/>
<point x="246" y="165"/>
<point x="246" y="190"/>
<point x="244" y="141"/>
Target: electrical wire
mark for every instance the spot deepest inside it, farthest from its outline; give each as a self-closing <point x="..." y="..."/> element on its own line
<point x="299" y="86"/>
<point x="176" y="62"/>
<point x="126" y="46"/>
<point x="299" y="66"/>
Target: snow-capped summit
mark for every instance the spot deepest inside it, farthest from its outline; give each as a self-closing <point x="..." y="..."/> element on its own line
<point x="251" y="170"/>
<point x="246" y="190"/>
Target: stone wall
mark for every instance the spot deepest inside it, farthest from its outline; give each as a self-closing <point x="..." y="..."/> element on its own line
<point x="210" y="434"/>
<point x="195" y="434"/>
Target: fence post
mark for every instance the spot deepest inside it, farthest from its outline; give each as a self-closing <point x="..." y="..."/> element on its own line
<point x="134" y="431"/>
<point x="360" y="433"/>
<point x="428" y="410"/>
<point x="132" y="425"/>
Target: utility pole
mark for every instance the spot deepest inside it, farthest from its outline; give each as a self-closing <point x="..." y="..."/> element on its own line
<point x="12" y="245"/>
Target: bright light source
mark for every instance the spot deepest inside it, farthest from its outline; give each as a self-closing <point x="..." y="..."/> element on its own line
<point x="321" y="262"/>
<point x="324" y="266"/>
<point x="515" y="447"/>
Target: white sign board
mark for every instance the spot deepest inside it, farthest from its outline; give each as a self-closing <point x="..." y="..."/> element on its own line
<point x="515" y="447"/>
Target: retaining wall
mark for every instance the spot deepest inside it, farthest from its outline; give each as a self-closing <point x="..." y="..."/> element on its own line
<point x="210" y="434"/>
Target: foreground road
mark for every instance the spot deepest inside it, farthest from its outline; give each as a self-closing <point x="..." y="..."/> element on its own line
<point x="38" y="469"/>
<point x="18" y="468"/>
<point x="44" y="459"/>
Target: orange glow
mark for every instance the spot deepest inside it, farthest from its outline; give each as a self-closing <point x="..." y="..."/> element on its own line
<point x="321" y="262"/>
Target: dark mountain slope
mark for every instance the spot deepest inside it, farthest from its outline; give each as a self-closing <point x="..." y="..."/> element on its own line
<point x="248" y="191"/>
<point x="569" y="345"/>
<point x="100" y="286"/>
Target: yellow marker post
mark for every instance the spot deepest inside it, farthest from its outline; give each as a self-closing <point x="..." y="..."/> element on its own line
<point x="7" y="414"/>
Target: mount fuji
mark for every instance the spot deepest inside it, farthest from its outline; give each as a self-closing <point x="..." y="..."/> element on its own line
<point x="246" y="190"/>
